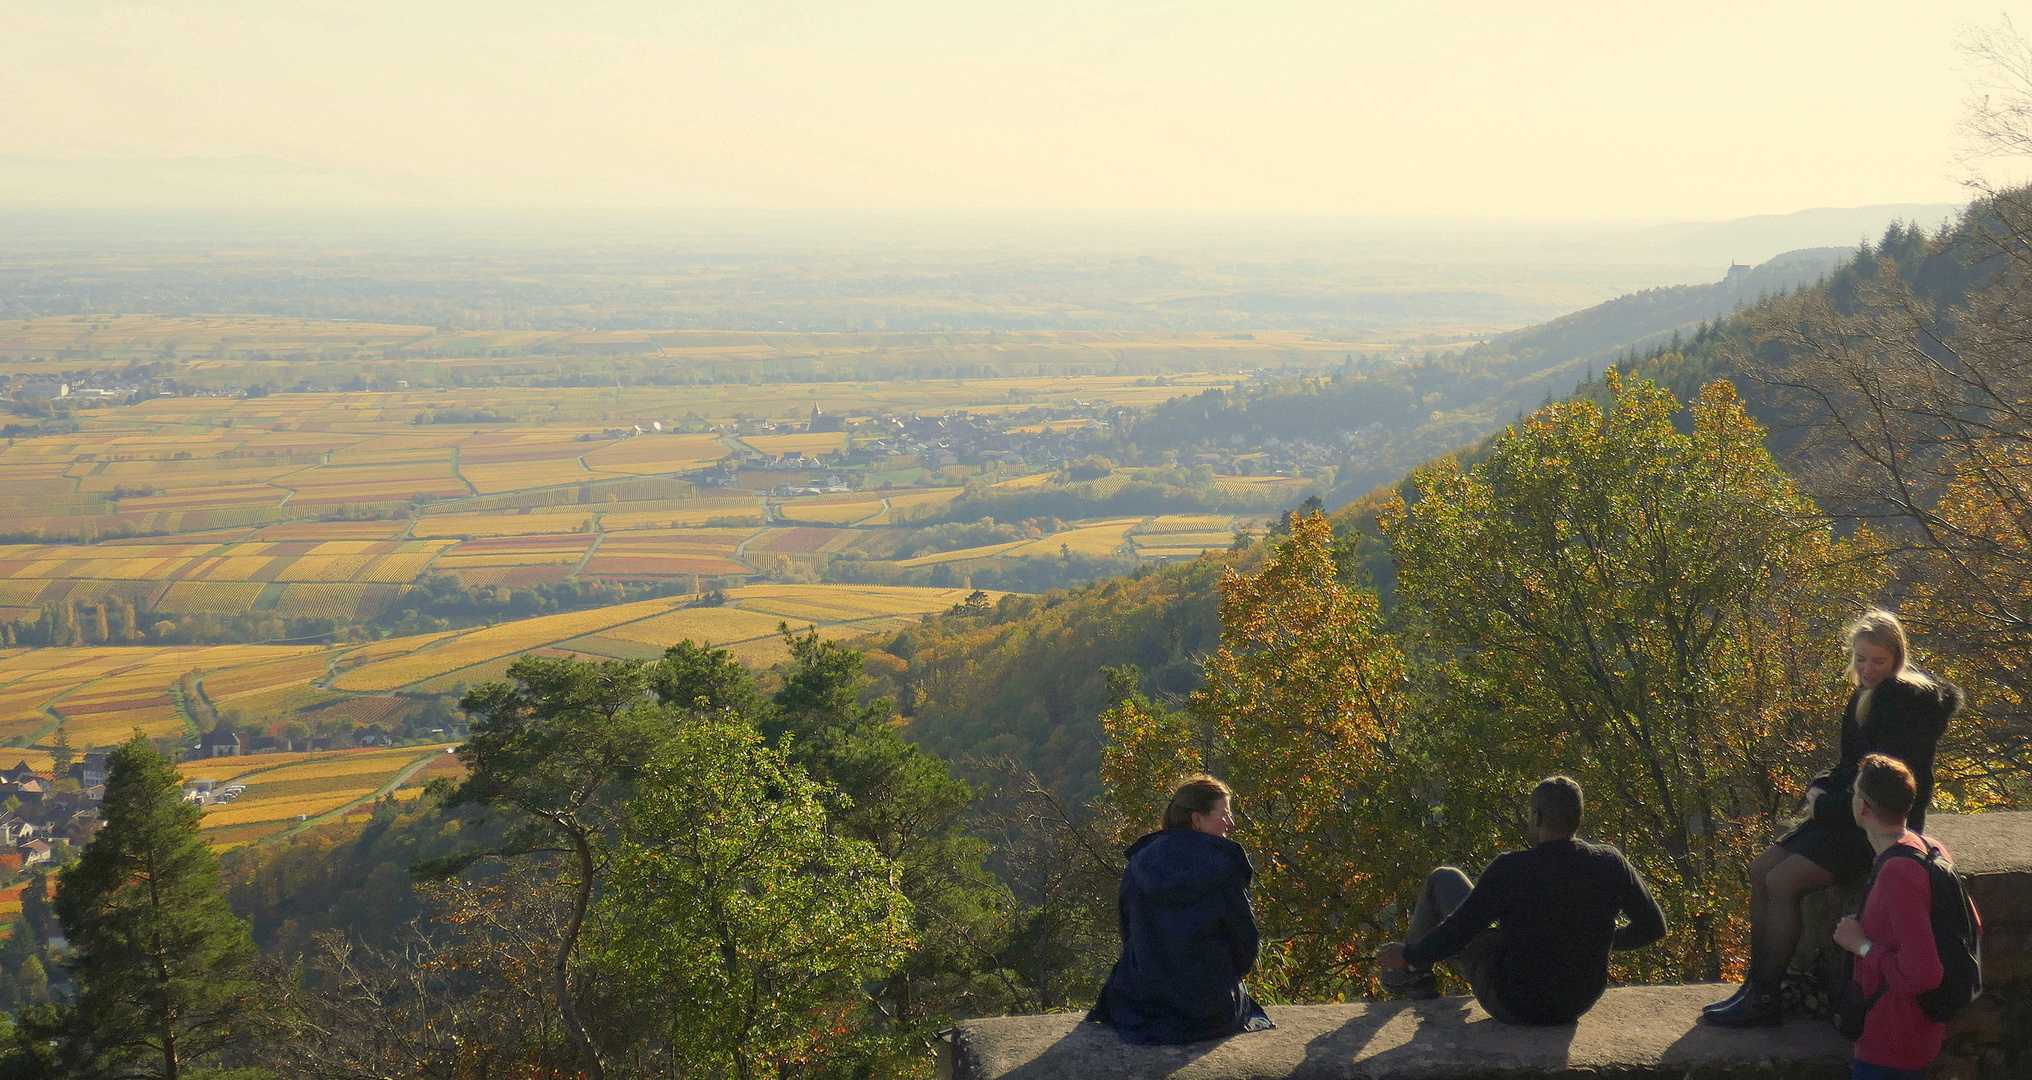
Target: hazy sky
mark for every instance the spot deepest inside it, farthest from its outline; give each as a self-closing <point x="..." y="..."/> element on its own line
<point x="1476" y="107"/>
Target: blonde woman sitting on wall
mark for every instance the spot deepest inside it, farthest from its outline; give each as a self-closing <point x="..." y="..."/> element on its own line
<point x="1895" y="710"/>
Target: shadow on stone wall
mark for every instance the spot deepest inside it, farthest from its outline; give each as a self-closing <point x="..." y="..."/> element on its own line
<point x="1421" y="1038"/>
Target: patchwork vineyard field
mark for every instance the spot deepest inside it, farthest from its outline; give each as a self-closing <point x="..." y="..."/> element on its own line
<point x="283" y="791"/>
<point x="100" y="695"/>
<point x="184" y="509"/>
<point x="319" y="528"/>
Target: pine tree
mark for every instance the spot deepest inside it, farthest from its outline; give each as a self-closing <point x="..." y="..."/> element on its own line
<point x="61" y="754"/>
<point x="35" y="913"/>
<point x="161" y="963"/>
<point x="555" y="750"/>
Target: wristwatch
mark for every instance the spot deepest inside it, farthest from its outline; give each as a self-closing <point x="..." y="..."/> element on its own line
<point x="1864" y="948"/>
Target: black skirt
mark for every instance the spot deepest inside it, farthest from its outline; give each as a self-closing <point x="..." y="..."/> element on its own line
<point x="1844" y="852"/>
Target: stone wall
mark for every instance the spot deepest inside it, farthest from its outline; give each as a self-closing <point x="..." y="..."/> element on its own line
<point x="1992" y="1039"/>
<point x="1638" y="1031"/>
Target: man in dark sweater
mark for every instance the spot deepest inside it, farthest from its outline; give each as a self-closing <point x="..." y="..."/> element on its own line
<point x="1532" y="937"/>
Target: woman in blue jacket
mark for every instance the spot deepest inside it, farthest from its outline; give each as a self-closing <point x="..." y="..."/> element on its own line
<point x="1188" y="933"/>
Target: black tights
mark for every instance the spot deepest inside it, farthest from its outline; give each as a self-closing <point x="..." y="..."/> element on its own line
<point x="1778" y="880"/>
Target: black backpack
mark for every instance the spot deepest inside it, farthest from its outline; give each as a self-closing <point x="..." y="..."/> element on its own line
<point x="1956" y="934"/>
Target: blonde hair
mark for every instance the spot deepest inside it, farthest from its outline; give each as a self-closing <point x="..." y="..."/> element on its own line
<point x="1882" y="629"/>
<point x="1198" y="795"/>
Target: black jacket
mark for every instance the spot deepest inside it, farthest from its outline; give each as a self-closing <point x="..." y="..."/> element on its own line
<point x="1905" y="722"/>
<point x="1556" y="906"/>
<point x="1188" y="937"/>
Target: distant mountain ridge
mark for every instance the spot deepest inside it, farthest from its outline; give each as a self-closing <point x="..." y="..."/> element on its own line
<point x="1748" y="239"/>
<point x="1514" y="373"/>
<point x="1396" y="417"/>
<point x="1642" y="319"/>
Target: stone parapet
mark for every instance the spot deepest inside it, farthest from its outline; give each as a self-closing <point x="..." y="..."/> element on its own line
<point x="1634" y="1032"/>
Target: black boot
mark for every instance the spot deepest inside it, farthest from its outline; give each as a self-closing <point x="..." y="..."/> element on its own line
<point x="1758" y="1007"/>
<point x="1726" y="1003"/>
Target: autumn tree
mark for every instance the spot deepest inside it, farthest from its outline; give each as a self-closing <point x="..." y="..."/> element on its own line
<point x="1299" y="714"/>
<point x="1653" y="611"/>
<point x="464" y="993"/>
<point x="1967" y="615"/>
<point x="160" y="962"/>
<point x="1910" y="384"/>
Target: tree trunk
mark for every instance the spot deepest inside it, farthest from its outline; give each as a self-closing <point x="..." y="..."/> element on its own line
<point x="560" y="969"/>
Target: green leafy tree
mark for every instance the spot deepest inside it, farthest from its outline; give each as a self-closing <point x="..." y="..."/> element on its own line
<point x="31" y="982"/>
<point x="1149" y="748"/>
<point x="908" y="806"/>
<point x="556" y="750"/>
<point x="1651" y="610"/>
<point x="731" y="901"/>
<point x="161" y="962"/>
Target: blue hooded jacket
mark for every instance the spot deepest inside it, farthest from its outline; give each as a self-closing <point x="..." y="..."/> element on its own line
<point x="1188" y="937"/>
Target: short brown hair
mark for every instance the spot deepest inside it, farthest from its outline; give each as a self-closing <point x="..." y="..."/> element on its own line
<point x="1198" y="795"/>
<point x="1887" y="785"/>
<point x="1558" y="802"/>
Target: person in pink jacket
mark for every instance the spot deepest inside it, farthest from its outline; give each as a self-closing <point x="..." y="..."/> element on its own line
<point x="1893" y="938"/>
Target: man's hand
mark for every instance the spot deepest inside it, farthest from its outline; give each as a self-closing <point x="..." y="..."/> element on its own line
<point x="1848" y="934"/>
<point x="1391" y="957"/>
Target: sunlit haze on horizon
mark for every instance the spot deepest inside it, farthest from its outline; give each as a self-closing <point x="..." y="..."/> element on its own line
<point x="1475" y="108"/>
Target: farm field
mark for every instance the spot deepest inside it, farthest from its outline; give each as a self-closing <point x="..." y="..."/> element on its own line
<point x="283" y="788"/>
<point x="1183" y="536"/>
<point x="101" y="695"/>
<point x="746" y="625"/>
<point x="1099" y="539"/>
<point x="323" y="507"/>
<point x="145" y="499"/>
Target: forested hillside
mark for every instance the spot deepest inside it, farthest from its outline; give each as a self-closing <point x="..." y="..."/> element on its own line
<point x="1409" y="412"/>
